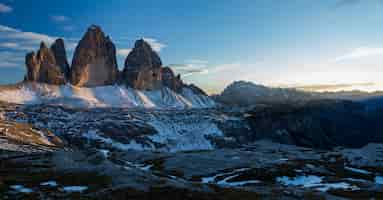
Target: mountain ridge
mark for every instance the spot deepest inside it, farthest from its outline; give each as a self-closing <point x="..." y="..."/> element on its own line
<point x="244" y="93"/>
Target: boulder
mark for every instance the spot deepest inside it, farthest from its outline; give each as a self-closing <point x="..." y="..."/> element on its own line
<point x="142" y="68"/>
<point x="42" y="67"/>
<point x="94" y="62"/>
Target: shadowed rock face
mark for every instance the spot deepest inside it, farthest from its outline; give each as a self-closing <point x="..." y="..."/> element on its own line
<point x="170" y="80"/>
<point x="58" y="49"/>
<point x="94" y="62"/>
<point x="196" y="89"/>
<point x="318" y="124"/>
<point x="143" y="68"/>
<point x="42" y="67"/>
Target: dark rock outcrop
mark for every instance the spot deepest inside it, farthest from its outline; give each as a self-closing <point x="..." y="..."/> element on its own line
<point x="170" y="80"/>
<point x="94" y="62"/>
<point x="58" y="49"/>
<point x="196" y="89"/>
<point x="143" y="68"/>
<point x="42" y="67"/>
<point x="318" y="124"/>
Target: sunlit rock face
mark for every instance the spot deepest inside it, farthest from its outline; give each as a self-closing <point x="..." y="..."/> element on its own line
<point x="43" y="67"/>
<point x="142" y="68"/>
<point x="94" y="62"/>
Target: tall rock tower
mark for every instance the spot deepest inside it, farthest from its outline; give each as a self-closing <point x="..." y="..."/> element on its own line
<point x="43" y="67"/>
<point x="142" y="68"/>
<point x="94" y="62"/>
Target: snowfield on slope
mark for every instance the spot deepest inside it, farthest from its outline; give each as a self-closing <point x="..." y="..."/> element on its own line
<point x="181" y="132"/>
<point x="104" y="96"/>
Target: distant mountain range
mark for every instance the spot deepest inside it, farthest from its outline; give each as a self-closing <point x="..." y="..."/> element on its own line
<point x="243" y="93"/>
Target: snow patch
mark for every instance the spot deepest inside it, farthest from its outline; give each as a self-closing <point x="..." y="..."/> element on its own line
<point x="306" y="181"/>
<point x="184" y="134"/>
<point x="49" y="183"/>
<point x="21" y="95"/>
<point x="21" y="189"/>
<point x="133" y="145"/>
<point x="226" y="182"/>
<point x="104" y="96"/>
<point x="356" y="180"/>
<point x="104" y="152"/>
<point x="314" y="182"/>
<point x="71" y="189"/>
<point x="356" y="170"/>
<point x="211" y="179"/>
<point x="143" y="167"/>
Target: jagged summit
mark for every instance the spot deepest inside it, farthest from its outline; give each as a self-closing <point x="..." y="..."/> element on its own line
<point x="94" y="61"/>
<point x="170" y="80"/>
<point x="43" y="45"/>
<point x="142" y="67"/>
<point x="94" y="27"/>
<point x="58" y="49"/>
<point x="45" y="65"/>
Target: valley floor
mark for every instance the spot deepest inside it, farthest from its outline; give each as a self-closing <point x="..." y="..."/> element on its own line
<point x="50" y="152"/>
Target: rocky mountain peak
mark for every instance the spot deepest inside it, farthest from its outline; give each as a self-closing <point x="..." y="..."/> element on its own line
<point x="95" y="28"/>
<point x="43" y="45"/>
<point x="94" y="64"/>
<point x="42" y="67"/>
<point x="142" y="44"/>
<point x="143" y="67"/>
<point x="143" y="56"/>
<point x="94" y="61"/>
<point x="58" y="49"/>
<point x="46" y="55"/>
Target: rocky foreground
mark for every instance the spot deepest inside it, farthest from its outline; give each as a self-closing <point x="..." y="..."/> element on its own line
<point x="261" y="170"/>
<point x="52" y="152"/>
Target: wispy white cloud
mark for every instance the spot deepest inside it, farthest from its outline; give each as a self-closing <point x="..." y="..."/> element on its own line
<point x="11" y="59"/>
<point x="15" y="43"/>
<point x="15" y="46"/>
<point x="9" y="45"/>
<point x="68" y="28"/>
<point x="10" y="33"/>
<point x="360" y="53"/>
<point x="123" y="52"/>
<point x="10" y="36"/>
<point x="5" y="8"/>
<point x="191" y="67"/>
<point x="7" y="29"/>
<point x="195" y="72"/>
<point x="232" y="67"/>
<point x="198" y="61"/>
<point x="155" y="44"/>
<point x="196" y="67"/>
<point x="60" y="18"/>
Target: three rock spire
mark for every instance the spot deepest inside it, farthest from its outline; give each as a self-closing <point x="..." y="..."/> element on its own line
<point x="94" y="64"/>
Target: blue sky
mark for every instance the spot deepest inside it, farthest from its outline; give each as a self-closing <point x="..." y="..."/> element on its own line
<point x="214" y="42"/>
